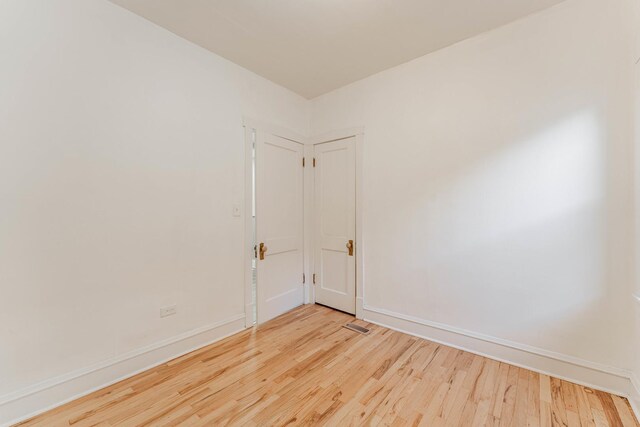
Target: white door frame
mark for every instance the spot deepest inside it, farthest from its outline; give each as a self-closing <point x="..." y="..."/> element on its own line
<point x="358" y="134"/>
<point x="249" y="125"/>
<point x="308" y="253"/>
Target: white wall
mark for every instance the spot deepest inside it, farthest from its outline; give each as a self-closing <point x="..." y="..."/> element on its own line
<point x="636" y="57"/>
<point x="498" y="197"/>
<point x="498" y="194"/>
<point x="121" y="156"/>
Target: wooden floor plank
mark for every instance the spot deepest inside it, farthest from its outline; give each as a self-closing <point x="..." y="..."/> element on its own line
<point x="303" y="368"/>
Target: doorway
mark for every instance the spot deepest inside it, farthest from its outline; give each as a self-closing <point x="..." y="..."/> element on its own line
<point x="335" y="224"/>
<point x="275" y="227"/>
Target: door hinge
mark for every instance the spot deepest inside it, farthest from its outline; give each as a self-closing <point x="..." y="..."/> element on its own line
<point x="304" y="279"/>
<point x="303" y="162"/>
<point x="314" y="278"/>
<point x="314" y="162"/>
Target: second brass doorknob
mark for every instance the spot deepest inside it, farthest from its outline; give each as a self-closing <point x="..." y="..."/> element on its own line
<point x="350" y="247"/>
<point x="263" y="249"/>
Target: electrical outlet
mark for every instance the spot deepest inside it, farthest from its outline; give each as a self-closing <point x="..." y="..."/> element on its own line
<point x="236" y="209"/>
<point x="168" y="311"/>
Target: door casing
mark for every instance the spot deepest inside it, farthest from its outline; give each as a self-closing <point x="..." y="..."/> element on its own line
<point x="309" y="296"/>
<point x="360" y="242"/>
<point x="279" y="225"/>
<point x="334" y="231"/>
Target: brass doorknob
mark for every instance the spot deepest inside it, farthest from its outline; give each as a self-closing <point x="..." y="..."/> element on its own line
<point x="263" y="249"/>
<point x="350" y="247"/>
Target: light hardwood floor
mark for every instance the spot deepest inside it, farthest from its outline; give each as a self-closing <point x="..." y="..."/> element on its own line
<point x="303" y="368"/>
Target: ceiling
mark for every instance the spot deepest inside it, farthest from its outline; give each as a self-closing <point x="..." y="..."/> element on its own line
<point x="315" y="46"/>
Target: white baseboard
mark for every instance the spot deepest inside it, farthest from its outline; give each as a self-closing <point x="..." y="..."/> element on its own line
<point x="589" y="374"/>
<point x="359" y="308"/>
<point x="28" y="402"/>
<point x="31" y="401"/>
<point x="634" y="398"/>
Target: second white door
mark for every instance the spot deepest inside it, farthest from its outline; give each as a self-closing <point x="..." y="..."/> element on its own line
<point x="279" y="225"/>
<point x="335" y="228"/>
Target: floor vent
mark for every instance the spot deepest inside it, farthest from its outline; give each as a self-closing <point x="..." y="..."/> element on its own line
<point x="356" y="328"/>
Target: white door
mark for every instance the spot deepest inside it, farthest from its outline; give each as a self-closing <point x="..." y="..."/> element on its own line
<point x="279" y="225"/>
<point x="335" y="213"/>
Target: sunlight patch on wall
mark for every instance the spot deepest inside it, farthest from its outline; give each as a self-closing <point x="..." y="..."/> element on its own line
<point x="557" y="171"/>
<point x="527" y="220"/>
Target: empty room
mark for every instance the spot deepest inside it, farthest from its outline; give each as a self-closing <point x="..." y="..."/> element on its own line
<point x="320" y="212"/>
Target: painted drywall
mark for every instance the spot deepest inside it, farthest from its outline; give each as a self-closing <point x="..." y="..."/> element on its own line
<point x="121" y="157"/>
<point x="636" y="347"/>
<point x="498" y="184"/>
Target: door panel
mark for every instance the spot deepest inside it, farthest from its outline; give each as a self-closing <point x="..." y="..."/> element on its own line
<point x="279" y="225"/>
<point x="335" y="211"/>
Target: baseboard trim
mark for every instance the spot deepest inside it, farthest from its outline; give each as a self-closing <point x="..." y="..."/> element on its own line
<point x="596" y="376"/>
<point x="33" y="400"/>
<point x="634" y="398"/>
<point x="359" y="308"/>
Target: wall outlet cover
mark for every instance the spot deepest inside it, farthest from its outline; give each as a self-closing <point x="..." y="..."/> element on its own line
<point x="168" y="311"/>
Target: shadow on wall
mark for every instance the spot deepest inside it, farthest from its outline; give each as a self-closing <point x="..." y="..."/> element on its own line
<point x="516" y="242"/>
<point x="549" y="211"/>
